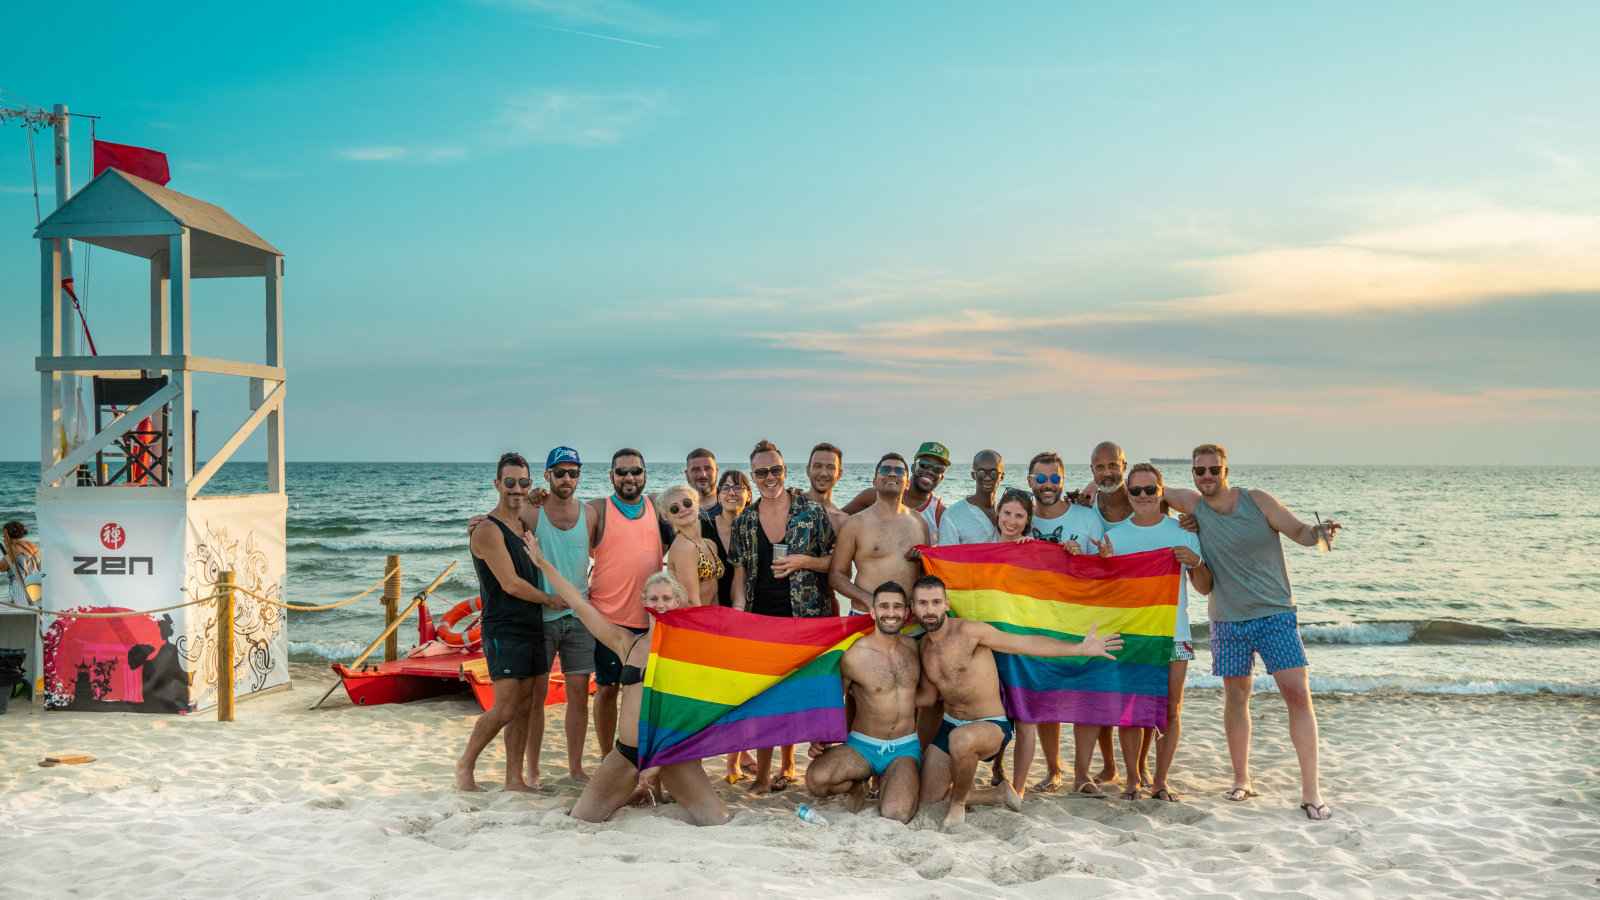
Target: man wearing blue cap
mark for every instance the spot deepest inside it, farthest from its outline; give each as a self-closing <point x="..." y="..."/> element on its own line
<point x="564" y="539"/>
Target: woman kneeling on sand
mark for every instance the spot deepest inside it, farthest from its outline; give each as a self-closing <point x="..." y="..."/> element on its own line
<point x="618" y="779"/>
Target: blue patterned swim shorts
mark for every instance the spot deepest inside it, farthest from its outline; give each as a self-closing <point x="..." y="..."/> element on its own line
<point x="1234" y="645"/>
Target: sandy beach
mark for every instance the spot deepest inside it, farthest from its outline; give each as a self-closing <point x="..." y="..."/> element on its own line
<point x="1433" y="795"/>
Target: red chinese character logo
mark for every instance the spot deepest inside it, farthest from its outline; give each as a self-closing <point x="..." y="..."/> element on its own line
<point x="112" y="536"/>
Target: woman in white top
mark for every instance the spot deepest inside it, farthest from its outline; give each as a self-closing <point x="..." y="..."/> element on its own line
<point x="1149" y="528"/>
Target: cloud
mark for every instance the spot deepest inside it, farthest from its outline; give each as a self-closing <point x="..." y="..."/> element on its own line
<point x="621" y="15"/>
<point x="1456" y="258"/>
<point x="397" y="153"/>
<point x="576" y="118"/>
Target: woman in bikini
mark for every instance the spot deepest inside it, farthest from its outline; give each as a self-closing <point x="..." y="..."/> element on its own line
<point x="692" y="559"/>
<point x="618" y="778"/>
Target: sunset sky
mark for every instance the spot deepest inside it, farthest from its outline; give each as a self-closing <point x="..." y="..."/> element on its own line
<point x="1360" y="234"/>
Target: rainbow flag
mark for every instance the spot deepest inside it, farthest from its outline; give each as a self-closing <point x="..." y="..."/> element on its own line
<point x="720" y="680"/>
<point x="1034" y="588"/>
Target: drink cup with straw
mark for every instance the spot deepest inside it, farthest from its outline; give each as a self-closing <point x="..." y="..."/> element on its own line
<point x="1324" y="537"/>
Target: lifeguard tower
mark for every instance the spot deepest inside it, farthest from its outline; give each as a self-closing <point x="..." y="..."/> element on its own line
<point x="122" y="522"/>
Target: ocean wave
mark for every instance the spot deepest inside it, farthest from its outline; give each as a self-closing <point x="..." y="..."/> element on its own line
<point x="1379" y="684"/>
<point x="1430" y="631"/>
<point x="325" y="529"/>
<point x="324" y="651"/>
<point x="380" y="544"/>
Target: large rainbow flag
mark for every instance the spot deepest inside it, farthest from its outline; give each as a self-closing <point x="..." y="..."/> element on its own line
<point x="1034" y="588"/>
<point x="720" y="680"/>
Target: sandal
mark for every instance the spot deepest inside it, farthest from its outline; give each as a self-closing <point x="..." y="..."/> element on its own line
<point x="1237" y="794"/>
<point x="1166" y="795"/>
<point x="1090" y="790"/>
<point x="1316" y="812"/>
<point x="1132" y="794"/>
<point x="780" y="783"/>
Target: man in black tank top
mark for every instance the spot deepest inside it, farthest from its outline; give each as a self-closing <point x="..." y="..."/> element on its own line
<point x="513" y="626"/>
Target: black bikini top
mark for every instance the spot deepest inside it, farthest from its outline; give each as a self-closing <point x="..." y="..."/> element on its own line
<point x="631" y="674"/>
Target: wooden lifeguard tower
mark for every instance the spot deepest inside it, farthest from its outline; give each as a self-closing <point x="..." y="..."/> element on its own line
<point x="122" y="522"/>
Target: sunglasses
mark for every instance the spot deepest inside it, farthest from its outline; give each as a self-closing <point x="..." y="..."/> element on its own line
<point x="1215" y="470"/>
<point x="933" y="467"/>
<point x="565" y="473"/>
<point x="685" y="506"/>
<point x="892" y="471"/>
<point x="1149" y="490"/>
<point x="633" y="472"/>
<point x="768" y="472"/>
<point x="511" y="483"/>
<point x="1046" y="479"/>
<point x="986" y="474"/>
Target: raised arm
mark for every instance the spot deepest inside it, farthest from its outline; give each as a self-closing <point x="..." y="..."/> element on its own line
<point x="1093" y="644"/>
<point x="1285" y="523"/>
<point x="604" y="630"/>
<point x="844" y="553"/>
<point x="861" y="501"/>
<point x="1181" y="499"/>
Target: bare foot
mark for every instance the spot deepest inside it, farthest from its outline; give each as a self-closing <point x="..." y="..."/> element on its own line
<point x="464" y="779"/>
<point x="580" y="776"/>
<point x="522" y="787"/>
<point x="997" y="772"/>
<point x="956" y="815"/>
<point x="1054" y="783"/>
<point x="531" y="779"/>
<point x="1012" y="799"/>
<point x="762" y="786"/>
<point x="857" y="800"/>
<point x="1108" y="774"/>
<point x="642" y="796"/>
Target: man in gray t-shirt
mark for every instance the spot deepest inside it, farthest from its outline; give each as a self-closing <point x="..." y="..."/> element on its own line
<point x="971" y="520"/>
<point x="1252" y="611"/>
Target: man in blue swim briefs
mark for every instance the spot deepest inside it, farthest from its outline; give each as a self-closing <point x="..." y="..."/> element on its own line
<point x="881" y="672"/>
<point x="958" y="667"/>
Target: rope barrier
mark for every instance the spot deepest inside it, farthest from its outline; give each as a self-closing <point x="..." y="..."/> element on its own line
<point x="211" y="598"/>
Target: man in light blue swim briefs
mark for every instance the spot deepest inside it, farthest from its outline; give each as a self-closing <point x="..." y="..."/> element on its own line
<point x="880" y="681"/>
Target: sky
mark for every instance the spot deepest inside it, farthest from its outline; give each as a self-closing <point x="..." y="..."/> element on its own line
<point x="1337" y="233"/>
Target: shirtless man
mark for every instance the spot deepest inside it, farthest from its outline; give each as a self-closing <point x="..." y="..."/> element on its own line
<point x="823" y="470"/>
<point x="879" y="540"/>
<point x="958" y="666"/>
<point x="927" y="473"/>
<point x="881" y="673"/>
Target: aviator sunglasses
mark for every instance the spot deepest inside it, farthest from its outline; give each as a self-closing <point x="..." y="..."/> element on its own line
<point x="1215" y="470"/>
<point x="512" y="483"/>
<point x="889" y="471"/>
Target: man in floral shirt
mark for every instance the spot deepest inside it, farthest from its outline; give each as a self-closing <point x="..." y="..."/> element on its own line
<point x="782" y="546"/>
<point x="781" y="549"/>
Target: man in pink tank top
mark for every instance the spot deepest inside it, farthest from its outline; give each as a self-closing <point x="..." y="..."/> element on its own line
<point x="626" y="543"/>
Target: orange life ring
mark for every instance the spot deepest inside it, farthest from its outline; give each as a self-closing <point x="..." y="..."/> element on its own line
<point x="445" y="630"/>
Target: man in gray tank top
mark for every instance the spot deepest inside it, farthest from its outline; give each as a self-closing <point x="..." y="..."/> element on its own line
<point x="1252" y="612"/>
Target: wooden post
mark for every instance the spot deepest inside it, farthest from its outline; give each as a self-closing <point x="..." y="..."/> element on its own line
<point x="391" y="607"/>
<point x="225" y="647"/>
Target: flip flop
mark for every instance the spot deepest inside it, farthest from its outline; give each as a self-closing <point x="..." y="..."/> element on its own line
<point x="1166" y="795"/>
<point x="1132" y="794"/>
<point x="1089" y="790"/>
<point x="780" y="783"/>
<point x="1239" y="793"/>
<point x="1323" y="813"/>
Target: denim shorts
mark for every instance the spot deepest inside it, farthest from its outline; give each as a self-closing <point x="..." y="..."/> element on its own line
<point x="1276" y="638"/>
<point x="566" y="638"/>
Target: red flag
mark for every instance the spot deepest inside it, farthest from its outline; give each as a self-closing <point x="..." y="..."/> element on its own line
<point x="151" y="165"/>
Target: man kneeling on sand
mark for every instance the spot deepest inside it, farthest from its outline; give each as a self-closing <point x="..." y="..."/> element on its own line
<point x="958" y="666"/>
<point x="880" y="672"/>
<point x="617" y="782"/>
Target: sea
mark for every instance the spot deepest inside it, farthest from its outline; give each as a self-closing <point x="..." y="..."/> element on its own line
<point x="1445" y="580"/>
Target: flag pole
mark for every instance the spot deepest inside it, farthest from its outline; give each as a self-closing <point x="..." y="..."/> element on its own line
<point x="69" y="336"/>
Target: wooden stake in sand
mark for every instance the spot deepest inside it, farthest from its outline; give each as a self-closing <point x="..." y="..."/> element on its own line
<point x="391" y="605"/>
<point x="225" y="647"/>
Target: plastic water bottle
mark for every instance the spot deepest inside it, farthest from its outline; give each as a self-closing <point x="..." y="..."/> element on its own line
<point x="807" y="814"/>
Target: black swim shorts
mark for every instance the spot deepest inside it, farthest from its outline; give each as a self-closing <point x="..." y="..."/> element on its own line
<point x="515" y="655"/>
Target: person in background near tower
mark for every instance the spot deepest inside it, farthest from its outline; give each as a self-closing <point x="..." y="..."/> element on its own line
<point x="1252" y="612"/>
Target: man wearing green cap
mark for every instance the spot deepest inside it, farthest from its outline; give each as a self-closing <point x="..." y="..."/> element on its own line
<point x="927" y="473"/>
